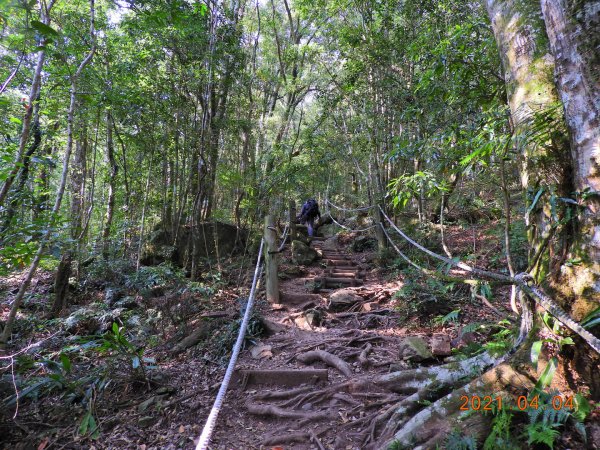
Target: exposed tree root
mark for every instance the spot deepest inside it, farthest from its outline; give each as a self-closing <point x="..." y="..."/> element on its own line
<point x="363" y="357"/>
<point x="275" y="411"/>
<point x="327" y="358"/>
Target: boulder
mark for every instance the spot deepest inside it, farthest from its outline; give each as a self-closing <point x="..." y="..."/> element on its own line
<point x="205" y="240"/>
<point x="330" y="244"/>
<point x="343" y="299"/>
<point x="325" y="219"/>
<point x="440" y="345"/>
<point x="327" y="230"/>
<point x="302" y="254"/>
<point x="88" y="320"/>
<point x="414" y="348"/>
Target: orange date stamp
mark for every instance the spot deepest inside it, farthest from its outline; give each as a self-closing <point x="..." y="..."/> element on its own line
<point x="490" y="403"/>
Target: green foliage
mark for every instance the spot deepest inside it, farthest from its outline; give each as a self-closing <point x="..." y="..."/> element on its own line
<point x="149" y="277"/>
<point x="502" y="341"/>
<point x="452" y="316"/>
<point x="458" y="441"/>
<point x="501" y="435"/>
<point x="406" y="187"/>
<point x="592" y="319"/>
<point x="423" y="297"/>
<point x="544" y="419"/>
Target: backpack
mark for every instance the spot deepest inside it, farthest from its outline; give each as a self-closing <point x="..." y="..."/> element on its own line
<point x="310" y="209"/>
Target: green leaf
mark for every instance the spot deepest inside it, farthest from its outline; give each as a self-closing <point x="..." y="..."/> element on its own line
<point x="565" y="341"/>
<point x="15" y="120"/>
<point x="535" y="200"/>
<point x="85" y="423"/>
<point x="582" y="407"/>
<point x="43" y="29"/>
<point x="547" y="375"/>
<point x="536" y="349"/>
<point x="66" y="362"/>
<point x="592" y="319"/>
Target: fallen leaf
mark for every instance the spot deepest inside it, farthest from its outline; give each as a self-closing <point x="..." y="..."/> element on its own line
<point x="43" y="444"/>
<point x="181" y="429"/>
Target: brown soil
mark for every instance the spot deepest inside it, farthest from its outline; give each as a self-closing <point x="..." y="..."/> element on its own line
<point x="298" y="411"/>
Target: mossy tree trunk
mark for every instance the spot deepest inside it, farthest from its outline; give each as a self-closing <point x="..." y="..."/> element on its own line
<point x="572" y="29"/>
<point x="553" y="167"/>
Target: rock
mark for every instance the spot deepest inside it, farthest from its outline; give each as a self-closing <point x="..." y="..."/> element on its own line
<point x="82" y="320"/>
<point x="127" y="303"/>
<point x="211" y="238"/>
<point x="594" y="434"/>
<point x="293" y="271"/>
<point x="330" y="244"/>
<point x="325" y="219"/>
<point x="111" y="295"/>
<point x="397" y="367"/>
<point x="368" y="307"/>
<point x="302" y="254"/>
<point x="414" y="348"/>
<point x="362" y="243"/>
<point x="343" y="299"/>
<point x="327" y="230"/>
<point x="440" y="345"/>
<point x="365" y="221"/>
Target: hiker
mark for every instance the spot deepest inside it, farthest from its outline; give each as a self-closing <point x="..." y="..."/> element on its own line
<point x="310" y="211"/>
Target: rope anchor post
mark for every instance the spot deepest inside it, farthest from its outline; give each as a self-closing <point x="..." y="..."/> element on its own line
<point x="271" y="260"/>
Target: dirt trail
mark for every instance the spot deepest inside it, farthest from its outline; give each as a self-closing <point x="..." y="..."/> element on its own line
<point x="334" y="328"/>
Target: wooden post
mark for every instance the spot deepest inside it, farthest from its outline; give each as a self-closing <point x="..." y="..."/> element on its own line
<point x="382" y="243"/>
<point x="292" y="220"/>
<point x="272" y="282"/>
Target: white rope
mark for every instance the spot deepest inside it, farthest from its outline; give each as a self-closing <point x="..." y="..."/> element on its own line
<point x="358" y="230"/>
<point x="364" y="208"/>
<point x="328" y="211"/>
<point x="520" y="280"/>
<point x="211" y="421"/>
<point x="285" y="233"/>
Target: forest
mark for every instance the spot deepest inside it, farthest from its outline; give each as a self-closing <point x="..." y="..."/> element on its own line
<point x="155" y="255"/>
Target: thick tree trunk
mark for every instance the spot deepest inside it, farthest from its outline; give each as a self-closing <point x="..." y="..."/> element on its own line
<point x="573" y="33"/>
<point x="521" y="39"/>
<point x="547" y="176"/>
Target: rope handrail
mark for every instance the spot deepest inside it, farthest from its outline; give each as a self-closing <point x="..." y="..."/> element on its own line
<point x="211" y="421"/>
<point x="358" y="230"/>
<point x="363" y="208"/>
<point x="522" y="280"/>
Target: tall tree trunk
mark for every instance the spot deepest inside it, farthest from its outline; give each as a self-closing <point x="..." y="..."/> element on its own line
<point x="34" y="95"/>
<point x="17" y="197"/>
<point x="521" y="39"/>
<point x="110" y="207"/>
<point x="572" y="29"/>
<point x="6" y="333"/>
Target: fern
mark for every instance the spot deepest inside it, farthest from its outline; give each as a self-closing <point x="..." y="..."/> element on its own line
<point x="458" y="441"/>
<point x="540" y="433"/>
<point x="500" y="436"/>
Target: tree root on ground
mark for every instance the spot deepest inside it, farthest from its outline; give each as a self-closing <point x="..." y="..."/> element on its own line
<point x="275" y="411"/>
<point x="327" y="358"/>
